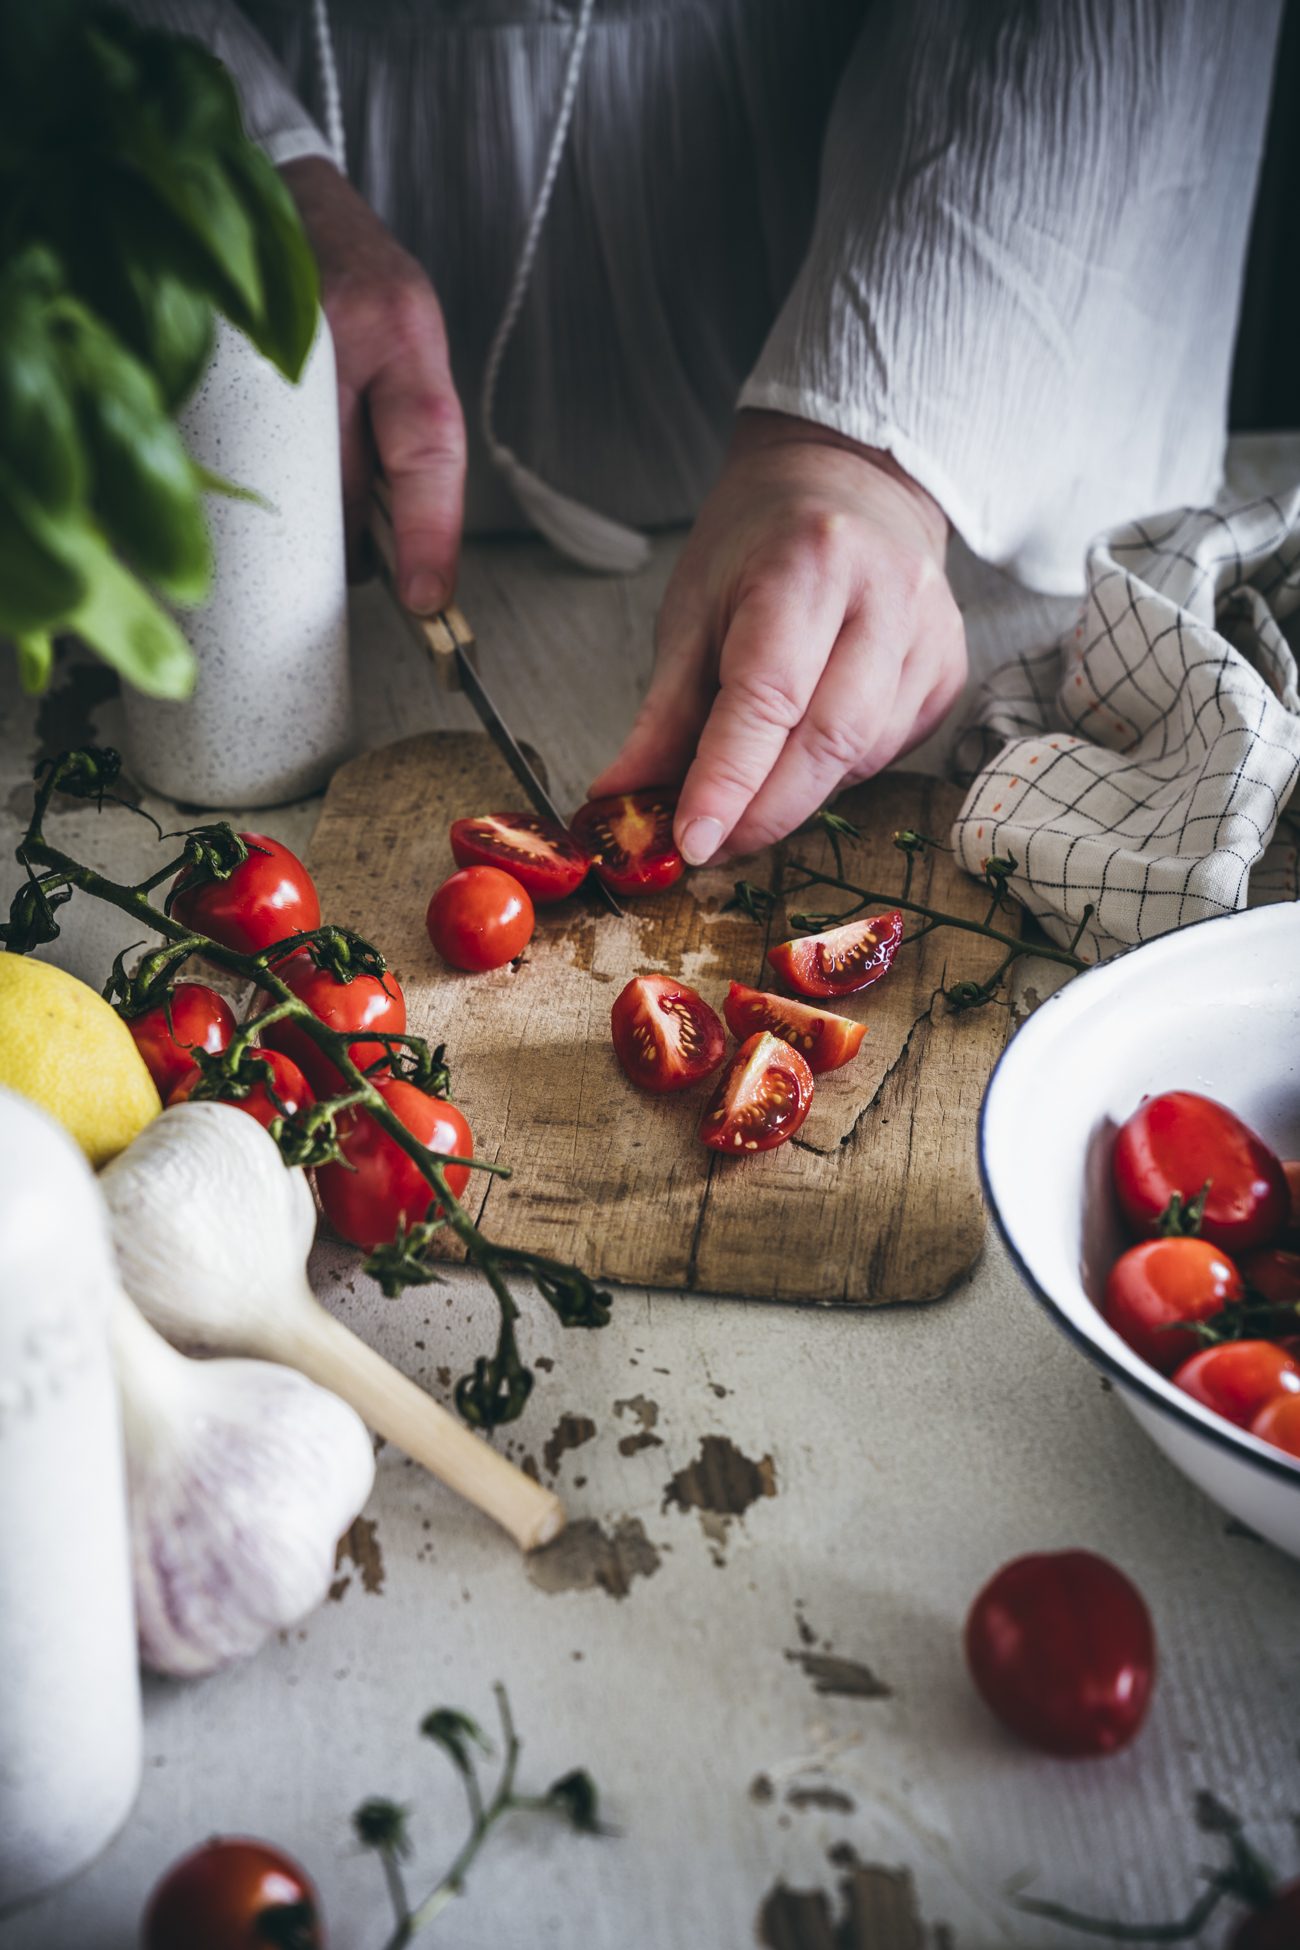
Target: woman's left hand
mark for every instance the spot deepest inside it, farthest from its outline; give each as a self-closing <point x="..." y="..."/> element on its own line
<point x="807" y="637"/>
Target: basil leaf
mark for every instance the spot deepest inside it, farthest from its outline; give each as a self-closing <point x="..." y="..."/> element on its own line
<point x="38" y="581"/>
<point x="290" y="281"/>
<point x="120" y="619"/>
<point x="35" y="660"/>
<point x="37" y="423"/>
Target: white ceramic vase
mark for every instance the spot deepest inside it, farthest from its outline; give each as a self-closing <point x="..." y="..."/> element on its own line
<point x="270" y="715"/>
<point x="70" y="1727"/>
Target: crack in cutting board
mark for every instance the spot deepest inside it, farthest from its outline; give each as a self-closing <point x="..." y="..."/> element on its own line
<point x="878" y="1200"/>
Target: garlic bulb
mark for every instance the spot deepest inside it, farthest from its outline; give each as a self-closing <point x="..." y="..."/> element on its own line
<point x="241" y="1478"/>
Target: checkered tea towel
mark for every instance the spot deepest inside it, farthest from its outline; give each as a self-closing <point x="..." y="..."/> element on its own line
<point x="1143" y="764"/>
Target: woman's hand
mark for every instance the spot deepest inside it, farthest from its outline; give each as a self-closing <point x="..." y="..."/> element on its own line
<point x="397" y="404"/>
<point x="808" y="636"/>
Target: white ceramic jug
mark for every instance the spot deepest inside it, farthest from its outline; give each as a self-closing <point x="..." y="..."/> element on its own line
<point x="270" y="715"/>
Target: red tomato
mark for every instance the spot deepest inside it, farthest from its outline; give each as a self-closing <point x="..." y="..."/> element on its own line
<point x="1179" y="1142"/>
<point x="268" y="896"/>
<point x="1278" y="1422"/>
<point x="665" y="1036"/>
<point x="283" y="1091"/>
<point x="1291" y="1172"/>
<point x="1275" y="1273"/>
<point x="233" y="1894"/>
<point x="1238" y="1378"/>
<point x="362" y="1002"/>
<point x="629" y="840"/>
<point x="1061" y="1649"/>
<point x="762" y="1097"/>
<point x="1152" y="1287"/>
<point x="377" y="1189"/>
<point x="1274" y="1927"/>
<point x="841" y="961"/>
<point x="193" y="1017"/>
<point x="538" y="852"/>
<point x="827" y="1041"/>
<point x="480" y="918"/>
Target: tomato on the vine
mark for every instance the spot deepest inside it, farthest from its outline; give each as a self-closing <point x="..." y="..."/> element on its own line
<point x="233" y="1893"/>
<point x="480" y="918"/>
<point x="841" y="961"/>
<point x="825" y="1040"/>
<point x="538" y="852"/>
<point x="280" y="1088"/>
<point x="357" y="1002"/>
<point x="1239" y="1378"/>
<point x="629" y="840"/>
<point x="1061" y="1647"/>
<point x="665" y="1036"/>
<point x="1278" y="1422"/>
<point x="1154" y="1286"/>
<point x="1177" y="1144"/>
<point x="192" y="1016"/>
<point x="265" y="898"/>
<point x="762" y="1098"/>
<point x="377" y="1190"/>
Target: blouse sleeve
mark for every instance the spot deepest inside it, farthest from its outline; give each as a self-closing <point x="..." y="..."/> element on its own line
<point x="1026" y="264"/>
<point x="273" y="116"/>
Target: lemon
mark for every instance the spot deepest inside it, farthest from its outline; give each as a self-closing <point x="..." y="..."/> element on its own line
<point x="66" y="1049"/>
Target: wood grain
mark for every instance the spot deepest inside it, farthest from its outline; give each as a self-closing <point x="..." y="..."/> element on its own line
<point x="878" y="1198"/>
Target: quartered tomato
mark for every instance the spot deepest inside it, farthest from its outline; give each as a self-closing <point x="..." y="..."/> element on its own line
<point x="268" y="896"/>
<point x="1179" y="1142"/>
<point x="1061" y="1648"/>
<point x="826" y="1041"/>
<point x="1278" y="1422"/>
<point x="665" y="1036"/>
<point x="360" y="1002"/>
<point x="538" y="852"/>
<point x="762" y="1097"/>
<point x="280" y="1089"/>
<point x="1154" y="1286"/>
<point x="479" y="919"/>
<point x="233" y="1894"/>
<point x="193" y="1017"/>
<point x="841" y="961"/>
<point x="377" y="1189"/>
<point x="1239" y="1378"/>
<point x="629" y="840"/>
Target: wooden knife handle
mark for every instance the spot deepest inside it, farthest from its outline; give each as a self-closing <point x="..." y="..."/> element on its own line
<point x="444" y="632"/>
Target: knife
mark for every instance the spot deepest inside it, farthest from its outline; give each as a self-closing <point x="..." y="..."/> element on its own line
<point x="449" y="641"/>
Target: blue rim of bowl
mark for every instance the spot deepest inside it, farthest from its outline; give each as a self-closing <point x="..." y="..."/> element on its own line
<point x="1223" y="1434"/>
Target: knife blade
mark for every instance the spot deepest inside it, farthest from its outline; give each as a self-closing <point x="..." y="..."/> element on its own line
<point x="450" y="643"/>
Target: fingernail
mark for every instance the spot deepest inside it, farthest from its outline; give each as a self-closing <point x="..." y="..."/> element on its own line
<point x="425" y="594"/>
<point x="701" y="841"/>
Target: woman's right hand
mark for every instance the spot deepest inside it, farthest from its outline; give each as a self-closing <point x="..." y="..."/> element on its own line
<point x="398" y="408"/>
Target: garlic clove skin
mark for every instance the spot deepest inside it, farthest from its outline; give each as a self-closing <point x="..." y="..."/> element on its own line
<point x="241" y="1477"/>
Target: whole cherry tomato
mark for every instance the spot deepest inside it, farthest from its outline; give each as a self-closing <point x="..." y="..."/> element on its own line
<point x="1238" y="1378"/>
<point x="1278" y="1422"/>
<point x="1154" y="1286"/>
<point x="233" y="1894"/>
<point x="270" y="1085"/>
<point x="377" y="1189"/>
<point x="1175" y="1144"/>
<point x="481" y="918"/>
<point x="1062" y="1650"/>
<point x="193" y="1017"/>
<point x="538" y="852"/>
<point x="1275" y="1926"/>
<point x="1291" y="1172"/>
<point x="1274" y="1272"/>
<point x="359" y="1002"/>
<point x="267" y="896"/>
<point x="761" y="1099"/>
<point x="629" y="840"/>
<point x="665" y="1036"/>
<point x="841" y="961"/>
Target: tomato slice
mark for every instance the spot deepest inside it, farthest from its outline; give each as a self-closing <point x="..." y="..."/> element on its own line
<point x="841" y="961"/>
<point x="827" y="1041"/>
<point x="629" y="840"/>
<point x="665" y="1035"/>
<point x="762" y="1097"/>
<point x="538" y="852"/>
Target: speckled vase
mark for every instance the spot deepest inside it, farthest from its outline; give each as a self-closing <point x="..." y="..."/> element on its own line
<point x="270" y="716"/>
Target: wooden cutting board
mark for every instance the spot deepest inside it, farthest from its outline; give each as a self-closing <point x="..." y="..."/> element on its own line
<point x="877" y="1199"/>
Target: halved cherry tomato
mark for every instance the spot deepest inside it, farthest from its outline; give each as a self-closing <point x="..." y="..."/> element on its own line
<point x="1178" y="1142"/>
<point x="1274" y="1272"/>
<point x="358" y="1002"/>
<point x="193" y="1017"/>
<point x="233" y="1894"/>
<point x="538" y="852"/>
<point x="377" y="1189"/>
<point x="762" y="1097"/>
<point x="481" y="918"/>
<point x="268" y="896"/>
<point x="1238" y="1378"/>
<point x="665" y="1035"/>
<point x="629" y="840"/>
<point x="1061" y="1648"/>
<point x="280" y="1091"/>
<point x="1154" y="1286"/>
<point x="826" y="1041"/>
<point x="1278" y="1422"/>
<point x="841" y="961"/>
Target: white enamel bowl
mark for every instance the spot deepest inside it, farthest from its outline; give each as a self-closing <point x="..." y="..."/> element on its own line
<point x="1213" y="1008"/>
